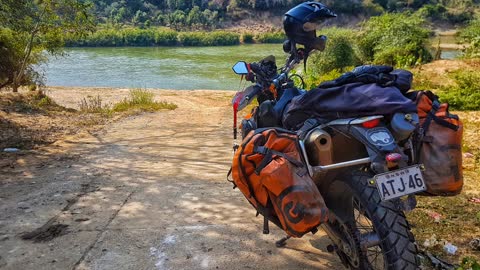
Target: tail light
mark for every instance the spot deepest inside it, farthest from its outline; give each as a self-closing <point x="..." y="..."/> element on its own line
<point x="392" y="160"/>
<point x="371" y="124"/>
<point x="393" y="157"/>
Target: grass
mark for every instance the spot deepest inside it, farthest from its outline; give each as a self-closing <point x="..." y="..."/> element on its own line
<point x="143" y="100"/>
<point x="91" y="104"/>
<point x="460" y="218"/>
<point x="138" y="100"/>
<point x="29" y="102"/>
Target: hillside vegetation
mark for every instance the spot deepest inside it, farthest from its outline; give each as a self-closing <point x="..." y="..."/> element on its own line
<point x="180" y="14"/>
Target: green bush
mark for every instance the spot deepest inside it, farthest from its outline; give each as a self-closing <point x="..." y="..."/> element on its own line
<point x="396" y="39"/>
<point x="105" y="38"/>
<point x="216" y="38"/>
<point x="271" y="37"/>
<point x="469" y="263"/>
<point x="372" y="9"/>
<point x="471" y="36"/>
<point x="247" y="38"/>
<point x="138" y="37"/>
<point x="340" y="52"/>
<point x="465" y="94"/>
<point x="433" y="11"/>
<point x="152" y="37"/>
<point x="165" y="37"/>
<point x="191" y="38"/>
<point x="312" y="80"/>
<point x="220" y="38"/>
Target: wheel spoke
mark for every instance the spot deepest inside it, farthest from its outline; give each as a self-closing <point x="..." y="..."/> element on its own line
<point x="369" y="239"/>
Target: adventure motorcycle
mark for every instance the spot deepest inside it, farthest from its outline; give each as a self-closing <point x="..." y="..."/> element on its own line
<point x="365" y="167"/>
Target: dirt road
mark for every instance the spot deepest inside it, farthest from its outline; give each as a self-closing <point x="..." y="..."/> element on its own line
<point x="147" y="192"/>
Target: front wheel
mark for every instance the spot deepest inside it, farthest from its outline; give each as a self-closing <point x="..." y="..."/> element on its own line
<point x="373" y="234"/>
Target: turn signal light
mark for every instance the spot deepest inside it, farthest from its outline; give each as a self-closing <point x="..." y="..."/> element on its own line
<point x="371" y="124"/>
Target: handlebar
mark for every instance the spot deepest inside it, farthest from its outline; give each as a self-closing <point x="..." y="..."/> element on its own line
<point x="263" y="79"/>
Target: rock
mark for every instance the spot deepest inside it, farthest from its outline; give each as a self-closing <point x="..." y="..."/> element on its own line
<point x="475" y="244"/>
<point x="3" y="263"/>
<point x="23" y="205"/>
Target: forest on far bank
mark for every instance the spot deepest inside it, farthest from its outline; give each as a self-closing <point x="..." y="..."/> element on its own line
<point x="204" y="14"/>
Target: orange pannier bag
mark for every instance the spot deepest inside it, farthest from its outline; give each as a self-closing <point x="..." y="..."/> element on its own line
<point x="269" y="170"/>
<point x="439" y="146"/>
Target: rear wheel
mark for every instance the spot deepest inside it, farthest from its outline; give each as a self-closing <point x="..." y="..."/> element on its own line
<point x="375" y="234"/>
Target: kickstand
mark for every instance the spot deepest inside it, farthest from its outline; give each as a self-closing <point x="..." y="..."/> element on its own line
<point x="282" y="242"/>
<point x="266" y="229"/>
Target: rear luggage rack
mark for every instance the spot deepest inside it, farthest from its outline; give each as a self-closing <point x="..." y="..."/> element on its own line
<point x="316" y="169"/>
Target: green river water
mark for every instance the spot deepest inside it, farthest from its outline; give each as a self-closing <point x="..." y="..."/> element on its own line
<point x="159" y="67"/>
<point x="156" y="67"/>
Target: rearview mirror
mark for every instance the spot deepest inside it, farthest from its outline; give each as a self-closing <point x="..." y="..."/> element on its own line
<point x="240" y="68"/>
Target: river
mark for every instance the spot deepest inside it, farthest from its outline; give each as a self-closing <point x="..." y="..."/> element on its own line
<point x="159" y="67"/>
<point x="156" y="67"/>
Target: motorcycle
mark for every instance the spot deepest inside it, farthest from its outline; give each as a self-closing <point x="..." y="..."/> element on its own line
<point x="364" y="167"/>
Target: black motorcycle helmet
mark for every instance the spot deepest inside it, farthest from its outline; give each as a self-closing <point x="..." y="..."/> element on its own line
<point x="301" y="22"/>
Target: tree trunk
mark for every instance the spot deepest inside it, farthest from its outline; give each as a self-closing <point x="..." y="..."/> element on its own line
<point x="28" y="50"/>
<point x="14" y="82"/>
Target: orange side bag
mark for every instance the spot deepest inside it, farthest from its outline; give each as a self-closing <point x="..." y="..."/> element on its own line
<point x="269" y="170"/>
<point x="439" y="146"/>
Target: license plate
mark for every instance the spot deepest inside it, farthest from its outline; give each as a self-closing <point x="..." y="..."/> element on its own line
<point x="399" y="183"/>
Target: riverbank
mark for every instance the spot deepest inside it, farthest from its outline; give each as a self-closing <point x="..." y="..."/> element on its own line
<point x="31" y="120"/>
<point x="161" y="36"/>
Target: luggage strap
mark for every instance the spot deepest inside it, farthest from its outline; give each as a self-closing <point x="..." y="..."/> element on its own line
<point x="308" y="125"/>
<point x="268" y="157"/>
<point x="431" y="116"/>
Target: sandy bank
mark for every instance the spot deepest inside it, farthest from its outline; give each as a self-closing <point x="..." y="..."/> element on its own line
<point x="71" y="96"/>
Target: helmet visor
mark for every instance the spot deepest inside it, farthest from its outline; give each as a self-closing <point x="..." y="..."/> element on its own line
<point x="311" y="26"/>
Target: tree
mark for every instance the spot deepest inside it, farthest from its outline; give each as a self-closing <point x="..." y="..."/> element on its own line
<point x="195" y="17"/>
<point x="340" y="52"/>
<point x="471" y="36"/>
<point x="139" y="18"/>
<point x="396" y="39"/>
<point x="40" y="25"/>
